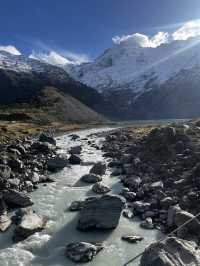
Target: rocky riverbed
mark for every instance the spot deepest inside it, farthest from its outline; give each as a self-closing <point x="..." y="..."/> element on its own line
<point x="101" y="195"/>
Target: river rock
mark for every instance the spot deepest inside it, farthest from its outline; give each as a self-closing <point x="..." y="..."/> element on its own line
<point x="173" y="252"/>
<point x="156" y="185"/>
<point x="5" y="220"/>
<point x="42" y="147"/>
<point x="44" y="137"/>
<point x="190" y="230"/>
<point x="5" y="171"/>
<point x="91" y="178"/>
<point x="132" y="182"/>
<point x="147" y="224"/>
<point x="82" y="252"/>
<point x="132" y="238"/>
<point x="127" y="214"/>
<point x="18" y="147"/>
<point x="141" y="207"/>
<point x="74" y="159"/>
<point x="15" y="198"/>
<point x="101" y="213"/>
<point x="74" y="137"/>
<point x="14" y="182"/>
<point x="100" y="188"/>
<point x="76" y="150"/>
<point x="57" y="163"/>
<point x="128" y="195"/>
<point x="98" y="169"/>
<point x="76" y="205"/>
<point x="15" y="164"/>
<point x="167" y="202"/>
<point x="30" y="223"/>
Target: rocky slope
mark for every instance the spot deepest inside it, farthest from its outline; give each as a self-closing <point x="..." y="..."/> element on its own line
<point x="23" y="79"/>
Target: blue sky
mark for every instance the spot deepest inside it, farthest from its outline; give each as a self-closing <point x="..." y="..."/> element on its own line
<point x="86" y="26"/>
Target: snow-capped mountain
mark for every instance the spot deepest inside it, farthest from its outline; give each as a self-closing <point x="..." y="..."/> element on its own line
<point x="129" y="65"/>
<point x="21" y="78"/>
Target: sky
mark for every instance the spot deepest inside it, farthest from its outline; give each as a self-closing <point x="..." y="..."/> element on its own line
<point x="82" y="29"/>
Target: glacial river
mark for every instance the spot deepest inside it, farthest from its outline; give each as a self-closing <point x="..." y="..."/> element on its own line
<point x="47" y="248"/>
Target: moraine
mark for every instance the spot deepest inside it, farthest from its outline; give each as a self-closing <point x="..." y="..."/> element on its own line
<point x="53" y="200"/>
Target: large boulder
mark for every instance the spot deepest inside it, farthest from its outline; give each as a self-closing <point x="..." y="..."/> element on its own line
<point x="14" y="198"/>
<point x="173" y="252"/>
<point x="98" y="169"/>
<point x="91" y="178"/>
<point x="29" y="223"/>
<point x="42" y="147"/>
<point x="101" y="213"/>
<point x="192" y="229"/>
<point x="100" y="188"/>
<point x="44" y="137"/>
<point x="82" y="251"/>
<point x="74" y="159"/>
<point x="76" y="150"/>
<point x="15" y="164"/>
<point x="57" y="163"/>
<point x="133" y="181"/>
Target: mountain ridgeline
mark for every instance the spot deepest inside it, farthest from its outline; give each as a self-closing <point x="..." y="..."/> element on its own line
<point x="24" y="80"/>
<point x="127" y="82"/>
<point x="144" y="82"/>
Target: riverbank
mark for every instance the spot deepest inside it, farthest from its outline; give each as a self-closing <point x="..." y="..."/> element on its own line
<point x="143" y="171"/>
<point x="159" y="169"/>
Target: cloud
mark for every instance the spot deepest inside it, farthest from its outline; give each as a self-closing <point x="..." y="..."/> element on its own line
<point x="10" y="49"/>
<point x="186" y="31"/>
<point x="142" y="40"/>
<point x="60" y="59"/>
<point x="158" y="39"/>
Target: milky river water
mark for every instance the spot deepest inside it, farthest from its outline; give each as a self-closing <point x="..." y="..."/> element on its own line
<point x="47" y="248"/>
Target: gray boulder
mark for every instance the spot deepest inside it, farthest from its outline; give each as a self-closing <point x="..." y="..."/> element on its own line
<point x="98" y="169"/>
<point x="76" y="205"/>
<point x="132" y="238"/>
<point x="47" y="138"/>
<point x="91" y="178"/>
<point x="57" y="163"/>
<point x="192" y="229"/>
<point x="76" y="150"/>
<point x="74" y="159"/>
<point x="100" y="188"/>
<point x="101" y="213"/>
<point x="147" y="224"/>
<point x="82" y="251"/>
<point x="29" y="223"/>
<point x="173" y="252"/>
<point x="15" y="198"/>
<point x="141" y="207"/>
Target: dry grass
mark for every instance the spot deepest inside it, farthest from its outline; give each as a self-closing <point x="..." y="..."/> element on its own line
<point x="19" y="130"/>
<point x="142" y="130"/>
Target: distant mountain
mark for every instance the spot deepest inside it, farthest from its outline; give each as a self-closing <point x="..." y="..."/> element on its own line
<point x="22" y="79"/>
<point x="145" y="82"/>
<point x="128" y="65"/>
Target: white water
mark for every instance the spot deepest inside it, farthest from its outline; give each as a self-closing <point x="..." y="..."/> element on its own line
<point x="48" y="247"/>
